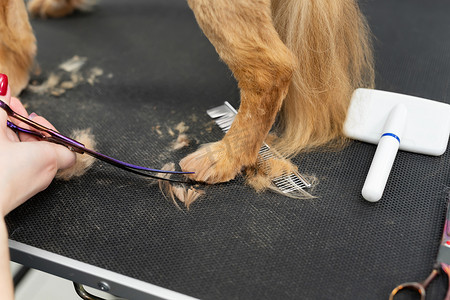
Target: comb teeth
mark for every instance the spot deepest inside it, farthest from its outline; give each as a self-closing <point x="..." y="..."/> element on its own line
<point x="265" y="153"/>
<point x="224" y="115"/>
<point x="292" y="183"/>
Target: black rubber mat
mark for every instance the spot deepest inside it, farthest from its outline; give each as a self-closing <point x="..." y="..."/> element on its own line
<point x="159" y="70"/>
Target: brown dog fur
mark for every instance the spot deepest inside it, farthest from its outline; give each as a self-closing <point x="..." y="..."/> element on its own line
<point x="17" y="44"/>
<point x="331" y="41"/>
<point x="303" y="57"/>
<point x="314" y="53"/>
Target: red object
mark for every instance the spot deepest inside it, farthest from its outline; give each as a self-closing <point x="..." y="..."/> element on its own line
<point x="3" y="84"/>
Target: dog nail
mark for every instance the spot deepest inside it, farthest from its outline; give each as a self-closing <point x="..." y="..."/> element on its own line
<point x="3" y="84"/>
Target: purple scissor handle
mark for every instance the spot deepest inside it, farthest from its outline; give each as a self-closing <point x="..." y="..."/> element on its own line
<point x="442" y="263"/>
<point x="49" y="135"/>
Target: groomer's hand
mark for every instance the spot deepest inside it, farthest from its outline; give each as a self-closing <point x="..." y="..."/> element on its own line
<point x="27" y="166"/>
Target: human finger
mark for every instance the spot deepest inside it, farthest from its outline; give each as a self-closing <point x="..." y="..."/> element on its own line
<point x="34" y="166"/>
<point x="65" y="158"/>
<point x="24" y="137"/>
<point x="5" y="96"/>
<point x="18" y="107"/>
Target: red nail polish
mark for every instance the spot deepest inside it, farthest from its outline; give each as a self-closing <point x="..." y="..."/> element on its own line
<point x="3" y="84"/>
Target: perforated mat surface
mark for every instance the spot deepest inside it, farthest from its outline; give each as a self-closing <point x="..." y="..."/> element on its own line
<point x="159" y="70"/>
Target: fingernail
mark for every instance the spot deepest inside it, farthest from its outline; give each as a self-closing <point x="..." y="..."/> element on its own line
<point x="3" y="84"/>
<point x="32" y="116"/>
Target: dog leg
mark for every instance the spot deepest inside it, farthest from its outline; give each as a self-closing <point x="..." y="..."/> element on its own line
<point x="17" y="44"/>
<point x="246" y="40"/>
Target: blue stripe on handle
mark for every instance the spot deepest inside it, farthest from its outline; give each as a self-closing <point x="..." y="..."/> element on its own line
<point x="391" y="134"/>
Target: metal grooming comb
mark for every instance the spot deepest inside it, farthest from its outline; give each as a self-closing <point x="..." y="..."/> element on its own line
<point x="292" y="183"/>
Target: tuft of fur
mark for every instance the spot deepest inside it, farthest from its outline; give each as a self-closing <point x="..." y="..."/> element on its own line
<point x="58" y="8"/>
<point x="261" y="177"/>
<point x="83" y="161"/>
<point x="182" y="139"/>
<point x="68" y="77"/>
<point x="48" y="86"/>
<point x="186" y="195"/>
<point x="181" y="127"/>
<point x="73" y="64"/>
<point x="181" y="142"/>
<point x="331" y="40"/>
<point x="178" y="192"/>
<point x="17" y="44"/>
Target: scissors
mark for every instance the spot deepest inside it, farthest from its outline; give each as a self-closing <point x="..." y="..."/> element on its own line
<point x="442" y="264"/>
<point x="50" y="135"/>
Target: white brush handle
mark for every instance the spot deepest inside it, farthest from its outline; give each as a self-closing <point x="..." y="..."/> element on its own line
<point x="385" y="154"/>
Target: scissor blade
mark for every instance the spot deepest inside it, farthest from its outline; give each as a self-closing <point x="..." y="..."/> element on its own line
<point x="55" y="137"/>
<point x="444" y="248"/>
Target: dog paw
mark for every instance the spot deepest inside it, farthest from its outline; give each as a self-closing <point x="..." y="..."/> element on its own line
<point x="212" y="163"/>
<point x="50" y="8"/>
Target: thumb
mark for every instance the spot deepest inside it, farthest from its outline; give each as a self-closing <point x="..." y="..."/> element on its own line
<point x="64" y="157"/>
<point x="35" y="165"/>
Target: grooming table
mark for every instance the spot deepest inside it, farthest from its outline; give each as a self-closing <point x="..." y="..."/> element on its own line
<point x="114" y="230"/>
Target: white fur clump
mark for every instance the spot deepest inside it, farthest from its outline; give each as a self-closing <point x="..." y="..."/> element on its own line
<point x="85" y="5"/>
<point x="84" y="161"/>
